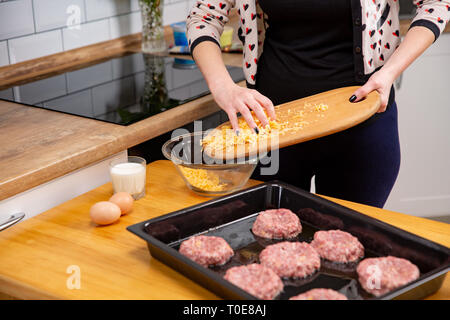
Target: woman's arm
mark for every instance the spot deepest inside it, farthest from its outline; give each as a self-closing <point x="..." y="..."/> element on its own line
<point x="429" y="22"/>
<point x="205" y="24"/>
<point x="416" y="41"/>
<point x="228" y="95"/>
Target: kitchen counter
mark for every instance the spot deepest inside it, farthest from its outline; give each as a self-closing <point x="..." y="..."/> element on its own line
<point x="115" y="264"/>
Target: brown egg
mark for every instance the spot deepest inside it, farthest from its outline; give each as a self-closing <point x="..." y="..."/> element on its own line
<point x="105" y="212"/>
<point x="124" y="200"/>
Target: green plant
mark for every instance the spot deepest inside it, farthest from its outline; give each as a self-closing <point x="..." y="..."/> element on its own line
<point x="153" y="3"/>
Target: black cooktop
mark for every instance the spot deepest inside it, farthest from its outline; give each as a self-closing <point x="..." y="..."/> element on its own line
<point x="122" y="90"/>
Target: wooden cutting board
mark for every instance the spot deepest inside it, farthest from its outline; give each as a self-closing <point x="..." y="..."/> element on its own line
<point x="305" y="119"/>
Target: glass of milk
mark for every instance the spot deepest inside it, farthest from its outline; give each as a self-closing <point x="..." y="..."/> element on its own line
<point x="129" y="176"/>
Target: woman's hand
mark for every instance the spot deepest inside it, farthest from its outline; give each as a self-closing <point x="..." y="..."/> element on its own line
<point x="380" y="81"/>
<point x="416" y="41"/>
<point x="228" y="95"/>
<point x="233" y="99"/>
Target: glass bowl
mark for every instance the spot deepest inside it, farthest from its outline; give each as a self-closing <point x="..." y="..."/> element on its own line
<point x="202" y="174"/>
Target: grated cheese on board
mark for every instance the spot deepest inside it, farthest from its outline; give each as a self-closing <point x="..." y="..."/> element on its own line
<point x="225" y="138"/>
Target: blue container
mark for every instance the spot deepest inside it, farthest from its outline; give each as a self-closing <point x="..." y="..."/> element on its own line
<point x="179" y="33"/>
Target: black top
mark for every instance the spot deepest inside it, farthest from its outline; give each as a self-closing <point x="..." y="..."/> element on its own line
<point x="302" y="55"/>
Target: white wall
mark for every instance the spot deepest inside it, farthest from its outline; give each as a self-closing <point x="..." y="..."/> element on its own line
<point x="423" y="184"/>
<point x="34" y="28"/>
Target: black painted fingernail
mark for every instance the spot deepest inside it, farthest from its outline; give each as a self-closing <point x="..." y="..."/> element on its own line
<point x="237" y="133"/>
<point x="352" y="98"/>
<point x="256" y="130"/>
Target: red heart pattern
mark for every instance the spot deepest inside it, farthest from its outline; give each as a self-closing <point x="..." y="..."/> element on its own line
<point x="378" y="41"/>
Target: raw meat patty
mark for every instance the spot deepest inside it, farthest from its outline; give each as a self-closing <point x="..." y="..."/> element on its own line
<point x="337" y="246"/>
<point x="319" y="294"/>
<point x="256" y="279"/>
<point x="382" y="275"/>
<point x="291" y="259"/>
<point x="207" y="250"/>
<point x="277" y="224"/>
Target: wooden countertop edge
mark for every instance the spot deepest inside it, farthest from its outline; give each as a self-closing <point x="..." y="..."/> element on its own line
<point x="58" y="169"/>
<point x="17" y="290"/>
<point x="47" y="66"/>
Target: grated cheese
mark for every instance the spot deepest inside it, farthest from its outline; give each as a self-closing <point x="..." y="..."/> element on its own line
<point x="202" y="179"/>
<point x="224" y="138"/>
<point x="321" y="107"/>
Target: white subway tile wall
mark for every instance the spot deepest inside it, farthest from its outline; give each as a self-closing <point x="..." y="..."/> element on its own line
<point x="175" y="11"/>
<point x="125" y="24"/>
<point x="4" y="57"/>
<point x="33" y="28"/>
<point x="135" y="4"/>
<point x="51" y="14"/>
<point x="99" y="9"/>
<point x="88" y="33"/>
<point x="16" y="19"/>
<point x="35" y="46"/>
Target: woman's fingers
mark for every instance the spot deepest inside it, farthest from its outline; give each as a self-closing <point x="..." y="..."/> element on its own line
<point x="259" y="112"/>
<point x="384" y="96"/>
<point x="243" y="100"/>
<point x="266" y="103"/>
<point x="245" y="112"/>
<point x="376" y="82"/>
<point x="233" y="119"/>
<point x="362" y="92"/>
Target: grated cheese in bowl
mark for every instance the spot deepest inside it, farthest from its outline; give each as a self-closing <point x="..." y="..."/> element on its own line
<point x="202" y="179"/>
<point x="202" y="174"/>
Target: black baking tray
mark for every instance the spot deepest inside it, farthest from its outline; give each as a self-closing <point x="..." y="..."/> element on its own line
<point x="232" y="216"/>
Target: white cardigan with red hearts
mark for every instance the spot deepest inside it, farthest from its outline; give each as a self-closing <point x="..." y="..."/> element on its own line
<point x="376" y="25"/>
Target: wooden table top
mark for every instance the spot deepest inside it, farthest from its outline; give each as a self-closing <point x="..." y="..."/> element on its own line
<point x="114" y="263"/>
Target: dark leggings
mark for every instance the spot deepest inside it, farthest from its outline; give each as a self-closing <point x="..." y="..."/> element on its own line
<point x="359" y="164"/>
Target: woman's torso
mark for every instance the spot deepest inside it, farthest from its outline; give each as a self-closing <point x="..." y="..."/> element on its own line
<point x="308" y="48"/>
